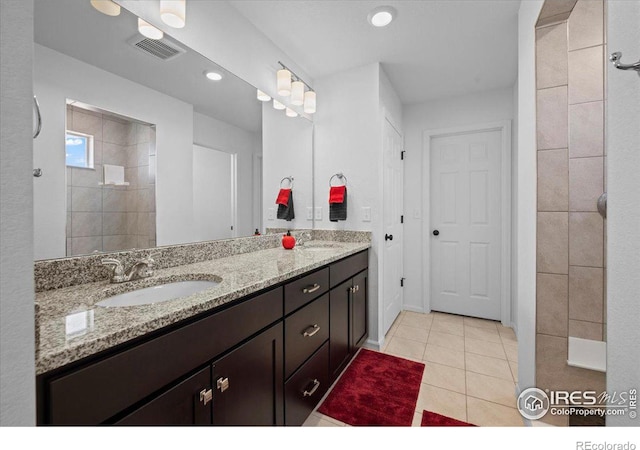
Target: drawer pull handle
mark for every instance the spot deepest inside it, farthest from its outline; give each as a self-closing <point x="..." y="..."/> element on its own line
<point x="206" y="395"/>
<point x="310" y="289"/>
<point x="314" y="329"/>
<point x="316" y="385"/>
<point x="222" y="384"/>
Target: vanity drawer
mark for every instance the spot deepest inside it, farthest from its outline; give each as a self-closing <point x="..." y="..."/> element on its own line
<point x="299" y="292"/>
<point x="348" y="267"/>
<point x="99" y="390"/>
<point x="304" y="332"/>
<point x="306" y="387"/>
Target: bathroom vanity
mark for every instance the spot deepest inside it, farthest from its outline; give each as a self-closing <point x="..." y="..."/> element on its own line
<point x="261" y="348"/>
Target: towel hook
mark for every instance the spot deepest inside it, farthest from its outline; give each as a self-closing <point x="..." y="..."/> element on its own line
<point x="290" y="179"/>
<point x="339" y="175"/>
<point x="615" y="59"/>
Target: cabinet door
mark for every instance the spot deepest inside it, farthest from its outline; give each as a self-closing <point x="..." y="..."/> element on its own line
<point x="339" y="311"/>
<point x="359" y="310"/>
<point x="180" y="405"/>
<point x="248" y="382"/>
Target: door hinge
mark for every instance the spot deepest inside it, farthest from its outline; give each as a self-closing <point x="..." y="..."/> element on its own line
<point x="402" y="282"/>
<point x="402" y="219"/>
<point x="402" y="155"/>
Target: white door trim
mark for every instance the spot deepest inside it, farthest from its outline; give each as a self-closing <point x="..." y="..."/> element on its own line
<point x="505" y="129"/>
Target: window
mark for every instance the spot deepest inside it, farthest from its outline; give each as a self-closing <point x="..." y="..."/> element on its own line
<point x="79" y="150"/>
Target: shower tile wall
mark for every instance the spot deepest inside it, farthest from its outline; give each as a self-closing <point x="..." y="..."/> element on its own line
<point x="110" y="218"/>
<point x="570" y="60"/>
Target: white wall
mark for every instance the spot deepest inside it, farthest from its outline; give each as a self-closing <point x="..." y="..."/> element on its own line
<point x="623" y="198"/>
<point x="218" y="135"/>
<point x="287" y="149"/>
<point x="482" y="108"/>
<point x="17" y="359"/>
<point x="514" y="211"/>
<point x="526" y="193"/>
<point x="58" y="77"/>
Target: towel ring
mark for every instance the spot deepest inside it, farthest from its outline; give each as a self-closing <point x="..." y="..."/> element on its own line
<point x="339" y="175"/>
<point x="289" y="179"/>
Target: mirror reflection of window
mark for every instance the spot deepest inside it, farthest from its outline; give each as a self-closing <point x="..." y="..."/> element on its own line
<point x="79" y="150"/>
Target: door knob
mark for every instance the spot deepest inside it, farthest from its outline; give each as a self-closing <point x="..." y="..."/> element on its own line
<point x="388" y="237"/>
<point x="436" y="232"/>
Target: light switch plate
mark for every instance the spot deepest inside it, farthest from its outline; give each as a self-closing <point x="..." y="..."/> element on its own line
<point x="309" y="213"/>
<point x="318" y="212"/>
<point x="271" y="214"/>
<point x="366" y="214"/>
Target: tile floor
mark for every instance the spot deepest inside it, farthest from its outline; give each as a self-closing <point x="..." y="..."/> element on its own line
<point x="470" y="368"/>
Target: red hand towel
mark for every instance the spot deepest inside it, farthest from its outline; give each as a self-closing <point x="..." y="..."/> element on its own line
<point x="283" y="197"/>
<point x="336" y="194"/>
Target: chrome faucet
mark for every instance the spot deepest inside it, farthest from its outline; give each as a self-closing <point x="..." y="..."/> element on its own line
<point x="142" y="268"/>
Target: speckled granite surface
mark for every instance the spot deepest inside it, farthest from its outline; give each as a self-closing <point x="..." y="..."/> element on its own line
<point x="69" y="326"/>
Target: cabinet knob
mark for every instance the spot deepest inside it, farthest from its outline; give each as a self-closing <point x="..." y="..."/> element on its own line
<point x="206" y="395"/>
<point x="222" y="384"/>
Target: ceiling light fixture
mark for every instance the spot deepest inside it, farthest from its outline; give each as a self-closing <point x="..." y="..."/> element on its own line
<point x="262" y="96"/>
<point x="291" y="84"/>
<point x="213" y="75"/>
<point x="106" y="7"/>
<point x="291" y="113"/>
<point x="277" y="105"/>
<point x="382" y="16"/>
<point x="173" y="12"/>
<point x="148" y="30"/>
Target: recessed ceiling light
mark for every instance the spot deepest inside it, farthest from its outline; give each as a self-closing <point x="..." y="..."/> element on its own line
<point x="382" y="16"/>
<point x="212" y="75"/>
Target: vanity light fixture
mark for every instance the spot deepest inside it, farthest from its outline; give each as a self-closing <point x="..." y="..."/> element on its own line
<point x="277" y="105"/>
<point x="262" y="96"/>
<point x="310" y="102"/>
<point x="148" y="30"/>
<point x="291" y="113"/>
<point x="173" y="12"/>
<point x="213" y="75"/>
<point x="106" y="7"/>
<point x="297" y="93"/>
<point x="382" y="16"/>
<point x="283" y="78"/>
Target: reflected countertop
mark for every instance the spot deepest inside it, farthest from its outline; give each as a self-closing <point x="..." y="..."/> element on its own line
<point x="70" y="326"/>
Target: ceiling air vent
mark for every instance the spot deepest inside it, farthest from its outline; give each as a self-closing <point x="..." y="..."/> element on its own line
<point x="163" y="48"/>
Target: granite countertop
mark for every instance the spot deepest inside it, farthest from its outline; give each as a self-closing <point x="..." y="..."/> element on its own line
<point x="70" y="326"/>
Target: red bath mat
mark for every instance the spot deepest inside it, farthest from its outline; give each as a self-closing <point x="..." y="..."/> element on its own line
<point x="376" y="389"/>
<point x="431" y="419"/>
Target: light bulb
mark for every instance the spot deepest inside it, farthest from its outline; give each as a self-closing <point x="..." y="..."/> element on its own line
<point x="297" y="93"/>
<point x="148" y="30"/>
<point x="284" y="82"/>
<point x="173" y="12"/>
<point x="310" y="102"/>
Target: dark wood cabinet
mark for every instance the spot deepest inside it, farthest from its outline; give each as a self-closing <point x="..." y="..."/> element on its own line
<point x="247" y="383"/>
<point x="340" y="317"/>
<point x="359" y="311"/>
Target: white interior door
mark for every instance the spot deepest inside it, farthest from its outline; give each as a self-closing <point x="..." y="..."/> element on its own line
<point x="392" y="210"/>
<point x="466" y="224"/>
<point x="213" y="193"/>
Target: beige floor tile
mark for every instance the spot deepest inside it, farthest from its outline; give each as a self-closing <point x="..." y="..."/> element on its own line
<point x="480" y="323"/>
<point x="413" y="333"/>
<point x="449" y="318"/>
<point x="487" y="414"/>
<point x="507" y="335"/>
<point x="446" y="340"/>
<point x="320" y="420"/>
<point x="405" y="348"/>
<point x="442" y="401"/>
<point x="447" y="327"/>
<point x="491" y="389"/>
<point x="484" y="348"/>
<point x="514" y="370"/>
<point x="417" y="419"/>
<point x="486" y="365"/>
<point x="416" y="320"/>
<point x="511" y="351"/>
<point x="483" y="334"/>
<point x="331" y="419"/>
<point x="446" y="377"/>
<point x="443" y="355"/>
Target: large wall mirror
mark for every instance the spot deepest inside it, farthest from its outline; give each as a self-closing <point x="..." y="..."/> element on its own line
<point x="140" y="148"/>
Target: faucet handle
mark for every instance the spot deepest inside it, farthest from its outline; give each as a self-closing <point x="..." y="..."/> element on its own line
<point x="150" y="259"/>
<point x="117" y="267"/>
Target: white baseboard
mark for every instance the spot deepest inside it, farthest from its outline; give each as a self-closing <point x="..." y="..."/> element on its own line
<point x="374" y="345"/>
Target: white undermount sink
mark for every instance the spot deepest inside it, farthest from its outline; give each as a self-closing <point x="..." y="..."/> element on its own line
<point x="158" y="294"/>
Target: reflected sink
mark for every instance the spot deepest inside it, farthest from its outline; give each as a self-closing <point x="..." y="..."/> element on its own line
<point x="158" y="294"/>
